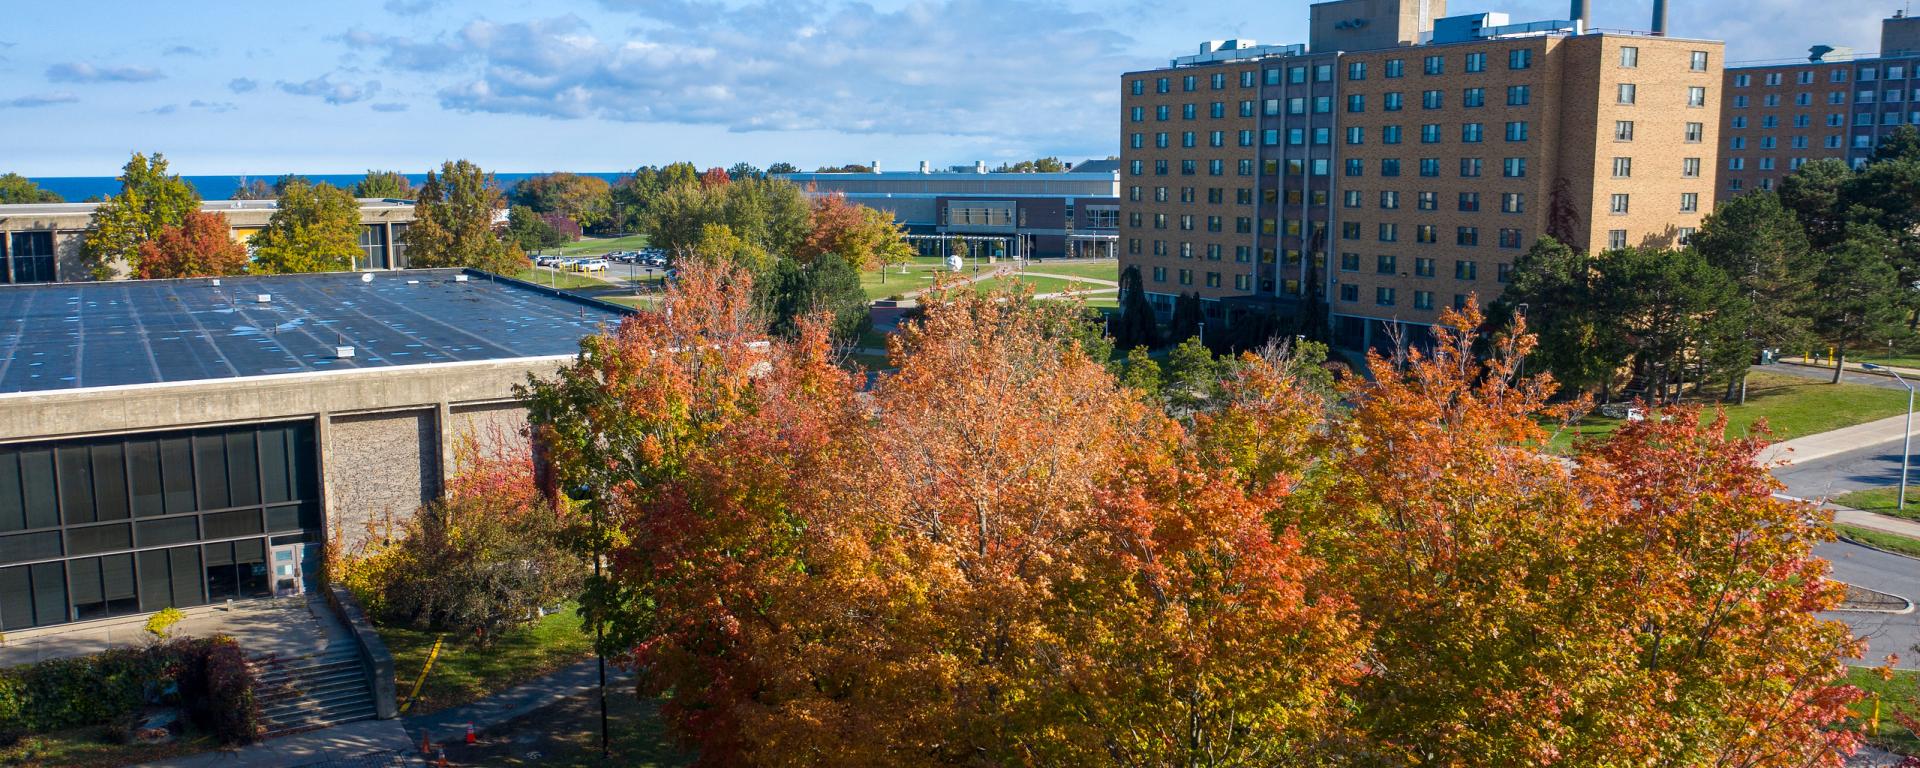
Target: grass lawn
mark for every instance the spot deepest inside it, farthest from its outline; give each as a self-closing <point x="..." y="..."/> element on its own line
<point x="1104" y="269"/>
<point x="1040" y="285"/>
<point x="637" y="302"/>
<point x="566" y="734"/>
<point x="1891" y="542"/>
<point x="1793" y="407"/>
<point x="1902" y="692"/>
<point x="595" y="246"/>
<point x="465" y="672"/>
<point x="87" y="747"/>
<point x="1885" y="501"/>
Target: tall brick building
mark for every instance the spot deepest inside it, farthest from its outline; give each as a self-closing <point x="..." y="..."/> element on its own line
<point x="1831" y="104"/>
<point x="1399" y="162"/>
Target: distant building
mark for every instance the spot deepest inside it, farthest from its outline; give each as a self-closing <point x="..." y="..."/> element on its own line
<point x="40" y="242"/>
<point x="1002" y="215"/>
<point x="181" y="443"/>
<point x="1399" y="162"/>
<point x="1831" y="104"/>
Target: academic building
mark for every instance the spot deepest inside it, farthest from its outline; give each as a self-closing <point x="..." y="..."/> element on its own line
<point x="1073" y="213"/>
<point x="1398" y="162"/>
<point x="1831" y="104"/>
<point x="40" y="242"/>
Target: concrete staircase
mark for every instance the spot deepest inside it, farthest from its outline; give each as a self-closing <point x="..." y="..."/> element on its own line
<point x="316" y="691"/>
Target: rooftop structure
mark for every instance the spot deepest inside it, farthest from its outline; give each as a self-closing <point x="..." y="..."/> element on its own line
<point x="1023" y="215"/>
<point x="77" y="335"/>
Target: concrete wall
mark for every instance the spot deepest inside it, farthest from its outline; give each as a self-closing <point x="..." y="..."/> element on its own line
<point x="377" y="467"/>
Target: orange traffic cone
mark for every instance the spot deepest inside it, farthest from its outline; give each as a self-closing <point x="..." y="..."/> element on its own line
<point x="470" y="737"/>
<point x="426" y="744"/>
<point x="442" y="762"/>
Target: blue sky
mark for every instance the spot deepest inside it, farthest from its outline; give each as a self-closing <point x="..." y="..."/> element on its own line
<point x="344" y="85"/>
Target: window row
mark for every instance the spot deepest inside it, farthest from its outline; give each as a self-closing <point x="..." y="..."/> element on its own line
<point x="81" y="482"/>
<point x="162" y="531"/>
<point x="1216" y="167"/>
<point x="1241" y="282"/>
<point x="1463" y="269"/>
<point x="113" y="585"/>
<point x="1386" y="297"/>
<point x="1428" y="234"/>
<point x="1164" y="112"/>
<point x="1189" y="83"/>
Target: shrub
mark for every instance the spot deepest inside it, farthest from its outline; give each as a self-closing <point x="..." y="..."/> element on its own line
<point x="209" y="677"/>
<point x="217" y="688"/>
<point x="159" y="623"/>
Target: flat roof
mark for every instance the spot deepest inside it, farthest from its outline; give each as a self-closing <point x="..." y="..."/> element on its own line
<point x="65" y="336"/>
<point x="211" y="206"/>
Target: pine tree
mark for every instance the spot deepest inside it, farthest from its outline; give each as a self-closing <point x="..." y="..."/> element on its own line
<point x="1137" y="327"/>
<point x="454" y="223"/>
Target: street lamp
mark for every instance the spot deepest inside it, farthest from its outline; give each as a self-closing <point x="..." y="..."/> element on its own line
<point x="1906" y="443"/>
<point x="586" y="493"/>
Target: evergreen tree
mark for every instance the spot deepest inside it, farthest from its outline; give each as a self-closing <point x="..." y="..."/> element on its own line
<point x="454" y="223"/>
<point x="1142" y="373"/>
<point x="315" y="228"/>
<point x="828" y="284"/>
<point x="1757" y="242"/>
<point x="150" y="201"/>
<point x="392" y="185"/>
<point x="1813" y="193"/>
<point x="16" y="189"/>
<point x="1187" y="317"/>
<point x="1859" y="294"/>
<point x="1137" y="327"/>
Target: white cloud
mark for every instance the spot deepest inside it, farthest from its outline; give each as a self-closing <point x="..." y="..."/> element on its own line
<point x="40" y="100"/>
<point x="83" y="72"/>
<point x="242" y="85"/>
<point x="332" y="91"/>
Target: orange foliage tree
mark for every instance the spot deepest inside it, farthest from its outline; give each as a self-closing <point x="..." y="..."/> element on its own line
<point x="202" y="246"/>
<point x="715" y="177"/>
<point x="999" y="555"/>
<point x="867" y="238"/>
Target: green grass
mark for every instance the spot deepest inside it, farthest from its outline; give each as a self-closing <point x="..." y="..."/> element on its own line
<point x="1885" y="501"/>
<point x="1793" y="407"/>
<point x="1901" y="692"/>
<point x="1105" y="269"/>
<point x="1891" y="542"/>
<point x="565" y="281"/>
<point x="467" y="672"/>
<point x="1040" y="285"/>
<point x="595" y="246"/>
<point x="637" y="302"/>
<point x="87" y="747"/>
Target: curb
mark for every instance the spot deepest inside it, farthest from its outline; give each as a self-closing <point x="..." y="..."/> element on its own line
<point x="1908" y="604"/>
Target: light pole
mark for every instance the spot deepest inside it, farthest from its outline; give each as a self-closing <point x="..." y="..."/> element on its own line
<point x="586" y="493"/>
<point x="1906" y="442"/>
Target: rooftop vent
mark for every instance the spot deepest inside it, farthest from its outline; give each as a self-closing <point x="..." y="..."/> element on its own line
<point x="459" y="278"/>
<point x="264" y="298"/>
<point x="343" y="352"/>
<point x="366" y="277"/>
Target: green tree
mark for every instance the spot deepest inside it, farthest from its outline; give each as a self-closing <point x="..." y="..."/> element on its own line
<point x="587" y="200"/>
<point x="315" y="228"/>
<point x="744" y="170"/>
<point x="719" y="245"/>
<point x="392" y="185"/>
<point x="1187" y="318"/>
<point x="1757" y="242"/>
<point x="1142" y="373"/>
<point x="1814" y="194"/>
<point x="530" y="231"/>
<point x="1859" y="293"/>
<point x="828" y="284"/>
<point x="1138" y="327"/>
<point x="1679" y="315"/>
<point x="783" y="167"/>
<point x="16" y="189"/>
<point x="454" y="222"/>
<point x="1191" y="382"/>
<point x="771" y="214"/>
<point x="1577" y="338"/>
<point x="150" y="201"/>
<point x="1902" y="143"/>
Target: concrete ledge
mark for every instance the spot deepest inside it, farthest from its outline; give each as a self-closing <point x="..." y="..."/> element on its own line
<point x="373" y="650"/>
<point x="1874" y="601"/>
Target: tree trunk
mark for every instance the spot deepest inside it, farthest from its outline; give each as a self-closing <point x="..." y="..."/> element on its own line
<point x="1839" y="362"/>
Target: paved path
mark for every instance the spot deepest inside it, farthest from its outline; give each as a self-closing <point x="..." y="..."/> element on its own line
<point x="451" y="724"/>
<point x="363" y="743"/>
<point x="1801" y="450"/>
<point x="1072" y="278"/>
<point x="1886" y="633"/>
<point x="1825" y="373"/>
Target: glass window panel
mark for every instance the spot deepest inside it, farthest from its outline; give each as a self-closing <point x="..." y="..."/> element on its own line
<point x="306" y="483"/>
<point x="275" y="484"/>
<point x="109" y="482"/>
<point x="49" y="593"/>
<point x="210" y="470"/>
<point x="16" y="598"/>
<point x="83" y="576"/>
<point x="76" y="485"/>
<point x="99" y="538"/>
<point x="116" y="580"/>
<point x="36" y="488"/>
<point x="243" y="469"/>
<point x="223" y="581"/>
<point x="13" y="514"/>
<point x="155" y="592"/>
<point x="143" y="466"/>
<point x="250" y="559"/>
<point x="21" y="547"/>
<point x="176" y="468"/>
<point x="187" y="580"/>
<point x="285" y="518"/>
<point x="173" y="530"/>
<point x="227" y="525"/>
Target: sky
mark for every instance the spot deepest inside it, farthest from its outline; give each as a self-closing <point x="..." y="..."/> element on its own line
<point x="606" y="85"/>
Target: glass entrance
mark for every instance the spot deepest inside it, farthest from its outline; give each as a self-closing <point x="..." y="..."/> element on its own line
<point x="286" y="570"/>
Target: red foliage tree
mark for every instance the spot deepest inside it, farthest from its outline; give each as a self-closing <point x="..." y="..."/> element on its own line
<point x="202" y="246"/>
<point x="715" y="177"/>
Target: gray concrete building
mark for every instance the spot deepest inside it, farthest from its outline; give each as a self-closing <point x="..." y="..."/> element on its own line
<point x="179" y="443"/>
<point x="40" y="242"/>
<point x="1002" y="215"/>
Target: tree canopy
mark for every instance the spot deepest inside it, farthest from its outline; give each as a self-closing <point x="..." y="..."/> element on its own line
<point x="202" y="246"/>
<point x="315" y="228"/>
<point x="454" y="222"/>
<point x="150" y="201"/>
<point x="586" y="200"/>
<point x="384" y="184"/>
<point x="16" y="189"/>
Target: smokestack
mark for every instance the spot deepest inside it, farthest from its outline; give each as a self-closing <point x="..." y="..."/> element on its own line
<point x="979" y="166"/>
<point x="1660" y="17"/>
<point x="1578" y="13"/>
<point x="876" y="166"/>
<point x="926" y="167"/>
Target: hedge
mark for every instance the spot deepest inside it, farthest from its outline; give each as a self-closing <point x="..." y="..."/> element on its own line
<point x="208" y="677"/>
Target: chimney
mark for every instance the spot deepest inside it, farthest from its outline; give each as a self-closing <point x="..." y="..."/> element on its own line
<point x="979" y="166"/>
<point x="926" y="167"/>
<point x="1578" y="14"/>
<point x="1660" y="18"/>
<point x="876" y="166"/>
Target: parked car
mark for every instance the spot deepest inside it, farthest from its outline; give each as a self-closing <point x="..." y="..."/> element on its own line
<point x="591" y="265"/>
<point x="546" y="259"/>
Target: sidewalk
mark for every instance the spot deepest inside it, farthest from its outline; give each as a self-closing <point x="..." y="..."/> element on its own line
<point x="363" y="743"/>
<point x="1804" y="449"/>
<point x="451" y="724"/>
<point x="1853" y="367"/>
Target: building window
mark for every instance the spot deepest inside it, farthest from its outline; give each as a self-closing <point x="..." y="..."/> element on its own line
<point x="1473" y="98"/>
<point x="1430" y="133"/>
<point x="1616" y="239"/>
<point x="1469" y="167"/>
<point x="1469" y="201"/>
<point x="1689" y="202"/>
<point x="1349" y="292"/>
<point x="1391" y="102"/>
<point x="1423" y="299"/>
<point x="1476" y="62"/>
<point x="1694" y="132"/>
<point x="1138" y="87"/>
<point x="1349" y="262"/>
<point x="1159" y="274"/>
<point x="1618" y="204"/>
<point x="1623" y="130"/>
<point x="1517" y="130"/>
<point x="1431" y="99"/>
<point x="1423" y="267"/>
<point x="1430" y="167"/>
<point x="1513" y="202"/>
<point x="1383" y="296"/>
<point x="1466" y="236"/>
<point x="1426" y="234"/>
<point x="1434" y="65"/>
<point x="1466" y="270"/>
<point x="1357" y="70"/>
<point x="1390" y="200"/>
<point x="1623" y="167"/>
<point x="1520" y="58"/>
<point x="1696" y="96"/>
<point x="32" y="257"/>
<point x="1519" y="95"/>
<point x="1510" y="238"/>
<point x="1627" y="92"/>
<point x="1357" y="102"/>
<point x="1514" y="167"/>
<point x="1470" y="133"/>
<point x="1383" y="265"/>
<point x="1396" y="68"/>
<point x="1629" y="56"/>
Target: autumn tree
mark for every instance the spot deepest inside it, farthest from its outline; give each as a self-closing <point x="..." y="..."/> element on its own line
<point x="16" y="190"/>
<point x="586" y="200"/>
<point x="202" y="246"/>
<point x="454" y="222"/>
<point x="769" y="213"/>
<point x="867" y="238"/>
<point x="314" y="228"/>
<point x="715" y="177"/>
<point x="392" y="185"/>
<point x="530" y="231"/>
<point x="150" y="200"/>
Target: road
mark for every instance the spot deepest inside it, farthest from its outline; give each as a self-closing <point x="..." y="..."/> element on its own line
<point x="1826" y="374"/>
<point x="1865" y="467"/>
